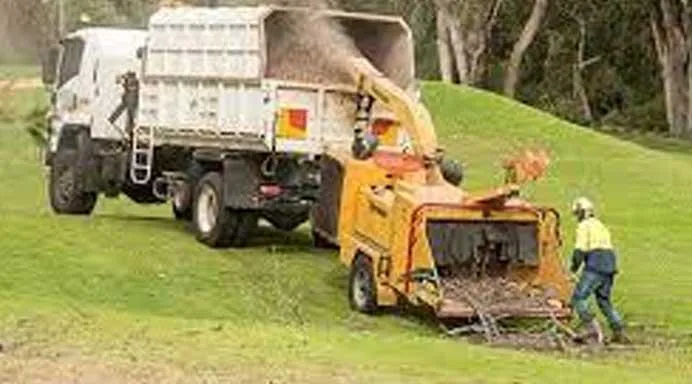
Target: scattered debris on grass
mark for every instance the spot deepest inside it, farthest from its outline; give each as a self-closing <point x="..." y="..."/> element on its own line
<point x="492" y="295"/>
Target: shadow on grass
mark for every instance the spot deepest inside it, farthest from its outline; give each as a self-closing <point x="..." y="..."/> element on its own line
<point x="148" y="221"/>
<point x="654" y="142"/>
<point x="274" y="240"/>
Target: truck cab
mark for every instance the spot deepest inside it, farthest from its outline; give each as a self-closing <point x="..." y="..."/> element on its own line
<point x="85" y="85"/>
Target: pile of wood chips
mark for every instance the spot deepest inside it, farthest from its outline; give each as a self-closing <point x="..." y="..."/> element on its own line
<point x="497" y="294"/>
<point x="491" y="293"/>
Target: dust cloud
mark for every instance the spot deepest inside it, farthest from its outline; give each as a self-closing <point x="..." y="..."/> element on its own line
<point x="304" y="47"/>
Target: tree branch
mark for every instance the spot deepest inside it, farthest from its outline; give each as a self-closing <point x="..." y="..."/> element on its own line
<point x="527" y="37"/>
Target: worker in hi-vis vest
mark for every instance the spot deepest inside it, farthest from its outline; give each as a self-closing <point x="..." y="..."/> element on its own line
<point x="594" y="251"/>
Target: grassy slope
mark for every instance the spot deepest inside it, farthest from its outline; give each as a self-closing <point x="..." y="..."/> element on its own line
<point x="640" y="191"/>
<point x="18" y="71"/>
<point x="131" y="287"/>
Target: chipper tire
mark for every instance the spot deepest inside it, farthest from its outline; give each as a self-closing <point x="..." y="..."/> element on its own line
<point x="215" y="225"/>
<point x="362" y="291"/>
<point x="66" y="198"/>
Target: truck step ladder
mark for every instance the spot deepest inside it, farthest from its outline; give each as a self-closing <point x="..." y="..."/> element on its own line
<point x="142" y="155"/>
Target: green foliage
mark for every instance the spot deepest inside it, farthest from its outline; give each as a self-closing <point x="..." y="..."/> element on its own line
<point x="624" y="81"/>
<point x="36" y="125"/>
<point x="646" y="117"/>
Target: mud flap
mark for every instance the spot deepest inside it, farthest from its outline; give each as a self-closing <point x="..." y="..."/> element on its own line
<point x="325" y="214"/>
<point x="241" y="182"/>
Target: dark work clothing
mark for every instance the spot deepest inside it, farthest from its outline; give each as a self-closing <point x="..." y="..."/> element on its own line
<point x="600" y="285"/>
<point x="601" y="261"/>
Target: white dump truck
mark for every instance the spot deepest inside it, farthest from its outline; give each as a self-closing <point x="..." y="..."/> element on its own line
<point x="226" y="112"/>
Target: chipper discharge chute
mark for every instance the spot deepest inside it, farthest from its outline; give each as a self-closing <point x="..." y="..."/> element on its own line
<point x="407" y="231"/>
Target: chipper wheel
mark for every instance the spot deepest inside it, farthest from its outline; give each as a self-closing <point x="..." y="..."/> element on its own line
<point x="216" y="225"/>
<point x="66" y="197"/>
<point x="362" y="292"/>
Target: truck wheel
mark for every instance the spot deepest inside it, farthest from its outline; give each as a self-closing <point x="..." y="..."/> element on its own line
<point x="66" y="198"/>
<point x="183" y="200"/>
<point x="216" y="225"/>
<point x="246" y="223"/>
<point x="362" y="291"/>
<point x="181" y="204"/>
<point x="213" y="224"/>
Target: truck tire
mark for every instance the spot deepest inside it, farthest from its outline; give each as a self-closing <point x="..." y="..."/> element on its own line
<point x="246" y="225"/>
<point x="181" y="204"/>
<point x="216" y="225"/>
<point x="362" y="291"/>
<point x="66" y="198"/>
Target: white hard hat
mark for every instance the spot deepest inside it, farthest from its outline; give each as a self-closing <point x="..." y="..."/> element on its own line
<point x="582" y="204"/>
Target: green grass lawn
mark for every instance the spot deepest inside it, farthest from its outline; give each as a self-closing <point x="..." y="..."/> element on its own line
<point x="8" y="71"/>
<point x="128" y="293"/>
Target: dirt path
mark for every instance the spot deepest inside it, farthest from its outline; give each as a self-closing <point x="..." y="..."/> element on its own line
<point x="84" y="370"/>
<point x="20" y="84"/>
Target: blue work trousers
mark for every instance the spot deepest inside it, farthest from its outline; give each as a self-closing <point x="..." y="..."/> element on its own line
<point x="599" y="285"/>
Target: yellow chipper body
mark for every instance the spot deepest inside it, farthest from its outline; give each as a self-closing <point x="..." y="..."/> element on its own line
<point x="406" y="233"/>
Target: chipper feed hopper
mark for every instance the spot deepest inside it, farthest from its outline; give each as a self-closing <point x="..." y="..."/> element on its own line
<point x="408" y="232"/>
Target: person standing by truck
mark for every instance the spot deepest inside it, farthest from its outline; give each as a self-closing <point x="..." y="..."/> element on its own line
<point x="594" y="251"/>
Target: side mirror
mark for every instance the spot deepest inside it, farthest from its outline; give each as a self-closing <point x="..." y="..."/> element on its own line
<point x="50" y="66"/>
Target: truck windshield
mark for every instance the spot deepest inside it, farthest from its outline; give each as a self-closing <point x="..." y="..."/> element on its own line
<point x="71" y="59"/>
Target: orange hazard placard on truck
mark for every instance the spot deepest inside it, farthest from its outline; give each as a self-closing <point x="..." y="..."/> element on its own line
<point x="293" y="123"/>
<point x="387" y="131"/>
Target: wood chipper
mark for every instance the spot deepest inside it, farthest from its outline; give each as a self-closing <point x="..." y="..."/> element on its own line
<point x="407" y="232"/>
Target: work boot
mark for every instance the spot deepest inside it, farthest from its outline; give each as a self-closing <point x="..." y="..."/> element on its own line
<point x="620" y="337"/>
<point x="593" y="331"/>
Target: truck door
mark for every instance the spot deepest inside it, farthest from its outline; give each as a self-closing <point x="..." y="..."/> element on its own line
<point x="68" y="92"/>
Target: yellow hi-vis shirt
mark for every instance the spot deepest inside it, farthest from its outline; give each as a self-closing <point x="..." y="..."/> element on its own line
<point x="594" y="248"/>
<point x="592" y="235"/>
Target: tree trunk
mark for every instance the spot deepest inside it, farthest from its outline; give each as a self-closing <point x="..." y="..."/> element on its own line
<point x="459" y="47"/>
<point x="469" y="25"/>
<point x="580" y="92"/>
<point x="444" y="47"/>
<point x="672" y="47"/>
<point x="527" y="37"/>
<point x="687" y="24"/>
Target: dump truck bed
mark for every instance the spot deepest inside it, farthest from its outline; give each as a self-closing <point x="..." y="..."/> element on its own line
<point x="260" y="78"/>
